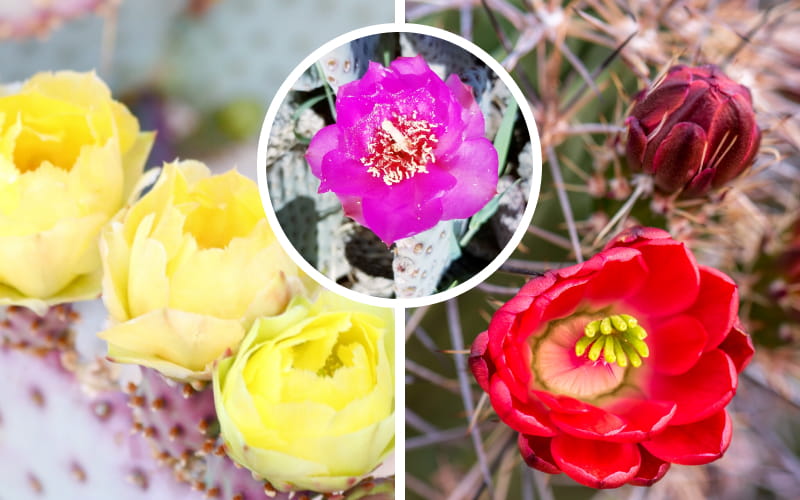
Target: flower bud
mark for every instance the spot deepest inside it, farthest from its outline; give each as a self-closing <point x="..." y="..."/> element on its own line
<point x="693" y="131"/>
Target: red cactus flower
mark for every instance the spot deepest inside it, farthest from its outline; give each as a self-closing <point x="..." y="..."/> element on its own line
<point x="613" y="369"/>
<point x="695" y="130"/>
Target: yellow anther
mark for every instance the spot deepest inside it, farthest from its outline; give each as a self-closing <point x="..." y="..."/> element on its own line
<point x="622" y="341"/>
<point x="619" y="324"/>
<point x="608" y="350"/>
<point x="596" y="349"/>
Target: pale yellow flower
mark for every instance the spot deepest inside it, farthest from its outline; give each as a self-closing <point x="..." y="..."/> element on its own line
<point x="308" y="401"/>
<point x="188" y="268"/>
<point x="69" y="159"/>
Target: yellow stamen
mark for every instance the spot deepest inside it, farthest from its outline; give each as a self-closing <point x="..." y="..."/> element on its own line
<point x="621" y="340"/>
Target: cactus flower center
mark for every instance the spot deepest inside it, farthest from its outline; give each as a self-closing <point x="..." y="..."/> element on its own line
<point x="332" y="363"/>
<point x="400" y="149"/>
<point x="618" y="338"/>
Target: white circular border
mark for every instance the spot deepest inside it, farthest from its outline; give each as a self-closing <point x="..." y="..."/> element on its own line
<point x="516" y="93"/>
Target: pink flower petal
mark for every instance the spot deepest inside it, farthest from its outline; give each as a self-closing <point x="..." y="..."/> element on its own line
<point x="475" y="166"/>
<point x="471" y="114"/>
<point x="352" y="208"/>
<point x="346" y="177"/>
<point x="322" y="143"/>
<point x="394" y="219"/>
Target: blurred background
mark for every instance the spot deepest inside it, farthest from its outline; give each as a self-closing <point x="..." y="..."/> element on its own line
<point x="201" y="72"/>
<point x="580" y="64"/>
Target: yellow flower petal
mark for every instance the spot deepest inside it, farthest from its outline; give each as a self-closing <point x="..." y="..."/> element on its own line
<point x="158" y="256"/>
<point x="308" y="401"/>
<point x="188" y="342"/>
<point x="69" y="155"/>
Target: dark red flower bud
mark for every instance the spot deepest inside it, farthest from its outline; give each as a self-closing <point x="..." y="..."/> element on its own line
<point x="694" y="131"/>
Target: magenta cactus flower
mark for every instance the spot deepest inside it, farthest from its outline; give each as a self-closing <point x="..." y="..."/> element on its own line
<point x="694" y="131"/>
<point x="408" y="150"/>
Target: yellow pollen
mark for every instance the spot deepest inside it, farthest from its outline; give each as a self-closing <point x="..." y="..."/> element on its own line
<point x="397" y="136"/>
<point x="332" y="364"/>
<point x="619" y="339"/>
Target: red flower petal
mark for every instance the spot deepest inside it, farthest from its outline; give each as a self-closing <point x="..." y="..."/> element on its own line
<point x="623" y="272"/>
<point x="651" y="470"/>
<point x="593" y="424"/>
<point x="531" y="418"/>
<point x="700" y="392"/>
<point x="637" y="141"/>
<point x="662" y="100"/>
<point x="676" y="344"/>
<point x="536" y="452"/>
<point x="693" y="444"/>
<point x="518" y="361"/>
<point x="636" y="235"/>
<point x="738" y="346"/>
<point x="563" y="298"/>
<point x="643" y="418"/>
<point x="734" y="117"/>
<point x="678" y="157"/>
<point x="673" y="281"/>
<point x="479" y="363"/>
<point x="626" y="421"/>
<point x="716" y="306"/>
<point x="595" y="463"/>
<point x="528" y="292"/>
<point x="563" y="404"/>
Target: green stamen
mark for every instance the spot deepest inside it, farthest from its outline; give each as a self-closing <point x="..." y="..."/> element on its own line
<point x="620" y="341"/>
<point x="332" y="364"/>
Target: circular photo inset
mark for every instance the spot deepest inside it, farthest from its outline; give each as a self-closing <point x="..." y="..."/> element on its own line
<point x="399" y="162"/>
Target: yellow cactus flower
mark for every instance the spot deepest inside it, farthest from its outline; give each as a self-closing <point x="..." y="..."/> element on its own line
<point x="69" y="159"/>
<point x="188" y="268"/>
<point x="308" y="401"/>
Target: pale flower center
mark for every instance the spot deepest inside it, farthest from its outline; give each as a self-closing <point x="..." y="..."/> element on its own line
<point x="559" y="369"/>
<point x="400" y="149"/>
<point x="332" y="363"/>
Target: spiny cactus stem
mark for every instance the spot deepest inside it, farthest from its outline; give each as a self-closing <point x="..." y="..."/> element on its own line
<point x="558" y="181"/>
<point x="644" y="184"/>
